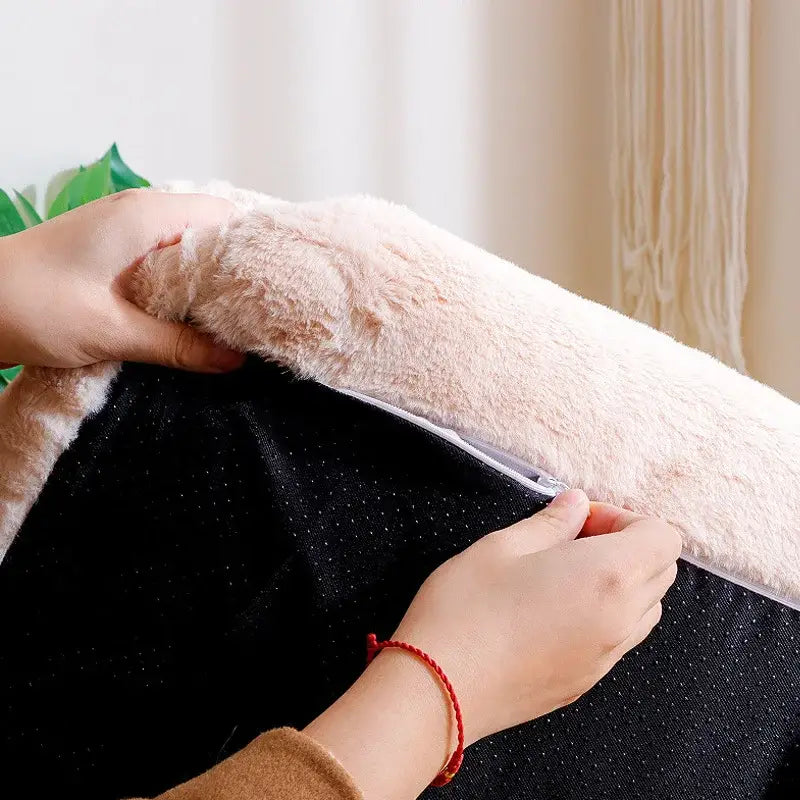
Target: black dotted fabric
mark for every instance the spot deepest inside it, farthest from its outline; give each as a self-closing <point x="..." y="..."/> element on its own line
<point x="207" y="558"/>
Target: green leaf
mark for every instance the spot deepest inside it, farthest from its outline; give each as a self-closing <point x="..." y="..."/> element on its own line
<point x="30" y="212"/>
<point x="8" y="375"/>
<point x="10" y="219"/>
<point x="98" y="180"/>
<point x="76" y="188"/>
<point x="90" y="183"/>
<point x="61" y="202"/>
<point x="108" y="175"/>
<point x="122" y="176"/>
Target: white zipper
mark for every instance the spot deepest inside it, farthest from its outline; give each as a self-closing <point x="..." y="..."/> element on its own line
<point x="527" y="476"/>
<point x="764" y="591"/>
<point x="541" y="482"/>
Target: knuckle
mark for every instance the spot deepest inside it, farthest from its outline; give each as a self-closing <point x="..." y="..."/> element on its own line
<point x="499" y="544"/>
<point x="548" y="523"/>
<point x="127" y="196"/>
<point x="125" y="207"/>
<point x="612" y="580"/>
<point x="546" y="526"/>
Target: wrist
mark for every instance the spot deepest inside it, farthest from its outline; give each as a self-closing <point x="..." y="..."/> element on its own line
<point x="462" y="668"/>
<point x="392" y="730"/>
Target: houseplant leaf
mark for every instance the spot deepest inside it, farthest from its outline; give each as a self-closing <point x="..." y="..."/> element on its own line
<point x="76" y="188"/>
<point x="30" y="214"/>
<point x="98" y="180"/>
<point x="10" y="219"/>
<point x="8" y="375"/>
<point x="90" y="183"/>
<point x="61" y="202"/>
<point x="122" y="176"/>
<point x="108" y="175"/>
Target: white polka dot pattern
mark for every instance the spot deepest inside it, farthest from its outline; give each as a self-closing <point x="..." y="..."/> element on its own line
<point x="208" y="556"/>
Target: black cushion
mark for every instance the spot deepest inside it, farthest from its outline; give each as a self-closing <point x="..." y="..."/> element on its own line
<point x="206" y="560"/>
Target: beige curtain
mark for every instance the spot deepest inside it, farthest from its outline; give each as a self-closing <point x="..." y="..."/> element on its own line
<point x="680" y="77"/>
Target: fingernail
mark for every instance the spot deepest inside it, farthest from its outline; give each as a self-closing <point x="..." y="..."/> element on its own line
<point x="569" y="499"/>
<point x="224" y="360"/>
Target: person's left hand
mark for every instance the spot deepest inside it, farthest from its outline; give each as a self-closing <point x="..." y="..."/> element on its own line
<point x="62" y="295"/>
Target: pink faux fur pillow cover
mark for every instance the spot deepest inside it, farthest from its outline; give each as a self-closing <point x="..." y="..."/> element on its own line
<point x="361" y="294"/>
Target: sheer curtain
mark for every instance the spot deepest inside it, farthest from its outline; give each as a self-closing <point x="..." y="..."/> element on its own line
<point x="679" y="169"/>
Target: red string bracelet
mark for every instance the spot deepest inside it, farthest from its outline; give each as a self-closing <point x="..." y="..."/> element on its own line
<point x="454" y="762"/>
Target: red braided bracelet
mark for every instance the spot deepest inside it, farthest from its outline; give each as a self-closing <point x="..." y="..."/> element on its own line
<point x="454" y="762"/>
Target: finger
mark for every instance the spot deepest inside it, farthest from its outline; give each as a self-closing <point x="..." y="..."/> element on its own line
<point x="141" y="337"/>
<point x="560" y="522"/>
<point x="659" y="585"/>
<point x="641" y="630"/>
<point x="651" y="544"/>
<point x="606" y="518"/>
<point x="644" y="546"/>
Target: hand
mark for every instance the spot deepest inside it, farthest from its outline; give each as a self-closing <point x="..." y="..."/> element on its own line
<point x="524" y="621"/>
<point x="63" y="301"/>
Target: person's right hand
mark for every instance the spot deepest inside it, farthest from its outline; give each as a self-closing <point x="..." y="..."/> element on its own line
<point x="522" y="622"/>
<point x="529" y="618"/>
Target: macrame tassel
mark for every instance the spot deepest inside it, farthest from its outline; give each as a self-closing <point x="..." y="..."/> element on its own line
<point x="679" y="167"/>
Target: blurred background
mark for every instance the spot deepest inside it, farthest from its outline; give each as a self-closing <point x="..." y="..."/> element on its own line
<point x="644" y="153"/>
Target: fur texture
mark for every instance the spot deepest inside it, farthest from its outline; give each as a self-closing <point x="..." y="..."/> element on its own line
<point x="362" y="294"/>
<point x="40" y="414"/>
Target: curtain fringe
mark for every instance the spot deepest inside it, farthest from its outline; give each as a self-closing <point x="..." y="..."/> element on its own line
<point x="679" y="167"/>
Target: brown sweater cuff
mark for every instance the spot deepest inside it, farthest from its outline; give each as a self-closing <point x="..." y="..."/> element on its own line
<point x="282" y="763"/>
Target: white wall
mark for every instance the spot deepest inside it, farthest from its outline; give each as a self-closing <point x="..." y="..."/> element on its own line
<point x="487" y="117"/>
<point x="490" y="117"/>
<point x="77" y="75"/>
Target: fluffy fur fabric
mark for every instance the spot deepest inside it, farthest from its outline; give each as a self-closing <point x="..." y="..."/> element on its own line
<point x="40" y="414"/>
<point x="361" y="294"/>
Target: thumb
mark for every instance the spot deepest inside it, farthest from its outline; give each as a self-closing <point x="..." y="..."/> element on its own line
<point x="560" y="522"/>
<point x="171" y="344"/>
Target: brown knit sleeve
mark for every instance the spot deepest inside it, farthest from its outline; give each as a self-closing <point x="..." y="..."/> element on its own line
<point x="282" y="763"/>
